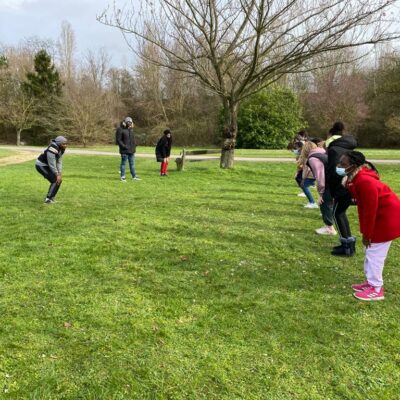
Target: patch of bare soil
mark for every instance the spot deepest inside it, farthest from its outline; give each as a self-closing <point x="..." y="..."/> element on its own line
<point x="18" y="158"/>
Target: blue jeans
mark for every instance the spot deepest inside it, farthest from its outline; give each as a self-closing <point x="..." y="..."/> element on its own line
<point x="131" y="159"/>
<point x="306" y="184"/>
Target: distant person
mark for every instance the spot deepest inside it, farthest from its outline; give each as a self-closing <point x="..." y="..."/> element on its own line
<point x="163" y="151"/>
<point x="379" y="218"/>
<point x="341" y="144"/>
<point x="127" y="148"/>
<point x="49" y="164"/>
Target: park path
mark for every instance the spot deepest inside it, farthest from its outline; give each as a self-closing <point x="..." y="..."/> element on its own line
<point x="33" y="151"/>
<point x="18" y="158"/>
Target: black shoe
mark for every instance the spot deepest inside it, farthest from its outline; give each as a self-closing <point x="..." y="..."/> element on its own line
<point x="346" y="249"/>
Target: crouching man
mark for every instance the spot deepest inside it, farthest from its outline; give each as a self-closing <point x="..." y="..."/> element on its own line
<point x="49" y="164"/>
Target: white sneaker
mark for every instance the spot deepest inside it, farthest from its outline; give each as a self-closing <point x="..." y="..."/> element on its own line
<point x="326" y="230"/>
<point x="136" y="178"/>
<point x="301" y="195"/>
<point x="123" y="179"/>
<point x="311" y="205"/>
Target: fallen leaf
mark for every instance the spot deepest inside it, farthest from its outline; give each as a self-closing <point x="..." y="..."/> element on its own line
<point x="67" y="325"/>
<point x="184" y="258"/>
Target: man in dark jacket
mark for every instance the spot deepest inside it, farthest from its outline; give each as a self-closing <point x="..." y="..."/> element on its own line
<point x="342" y="197"/>
<point x="49" y="164"/>
<point x="127" y="148"/>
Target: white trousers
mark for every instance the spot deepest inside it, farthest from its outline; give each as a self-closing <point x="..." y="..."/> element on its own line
<point x="374" y="262"/>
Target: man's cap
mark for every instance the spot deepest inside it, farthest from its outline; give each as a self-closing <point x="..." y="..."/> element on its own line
<point x="129" y="120"/>
<point x="60" y="140"/>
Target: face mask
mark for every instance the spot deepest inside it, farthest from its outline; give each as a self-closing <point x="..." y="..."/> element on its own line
<point x="297" y="152"/>
<point x="341" y="171"/>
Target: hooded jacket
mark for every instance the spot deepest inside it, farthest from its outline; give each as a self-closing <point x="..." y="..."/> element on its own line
<point x="317" y="162"/>
<point x="335" y="150"/>
<point x="125" y="140"/>
<point x="52" y="158"/>
<point x="163" y="148"/>
<point x="378" y="207"/>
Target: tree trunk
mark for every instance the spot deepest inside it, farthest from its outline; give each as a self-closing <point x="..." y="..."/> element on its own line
<point x="229" y="134"/>
<point x="19" y="137"/>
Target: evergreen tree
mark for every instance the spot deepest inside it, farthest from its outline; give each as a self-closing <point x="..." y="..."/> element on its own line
<point x="45" y="80"/>
<point x="45" y="85"/>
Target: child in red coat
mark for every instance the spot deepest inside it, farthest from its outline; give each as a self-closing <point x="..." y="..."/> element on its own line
<point x="379" y="217"/>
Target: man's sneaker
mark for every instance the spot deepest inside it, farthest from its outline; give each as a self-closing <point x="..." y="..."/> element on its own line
<point x="311" y="205"/>
<point x="326" y="230"/>
<point x="123" y="179"/>
<point x="301" y="195"/>
<point x="370" y="295"/>
<point x="359" y="287"/>
<point x="136" y="178"/>
<point x="48" y="201"/>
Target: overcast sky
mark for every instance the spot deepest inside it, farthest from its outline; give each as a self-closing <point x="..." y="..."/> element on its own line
<point x="20" y="19"/>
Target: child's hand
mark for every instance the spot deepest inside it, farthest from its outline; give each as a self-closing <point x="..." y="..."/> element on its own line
<point x="320" y="200"/>
<point x="366" y="242"/>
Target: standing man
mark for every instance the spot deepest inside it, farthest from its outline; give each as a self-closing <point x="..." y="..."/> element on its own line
<point x="127" y="148"/>
<point x="49" y="164"/>
<point x="341" y="144"/>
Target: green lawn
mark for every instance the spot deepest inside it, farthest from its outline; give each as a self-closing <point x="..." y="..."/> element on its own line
<point x="384" y="154"/>
<point x="6" y="153"/>
<point x="207" y="284"/>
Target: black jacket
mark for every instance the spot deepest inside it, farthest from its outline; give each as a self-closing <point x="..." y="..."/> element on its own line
<point x="335" y="150"/>
<point x="163" y="148"/>
<point x="126" y="140"/>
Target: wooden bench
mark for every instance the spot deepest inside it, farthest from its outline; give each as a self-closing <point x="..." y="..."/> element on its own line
<point x="181" y="160"/>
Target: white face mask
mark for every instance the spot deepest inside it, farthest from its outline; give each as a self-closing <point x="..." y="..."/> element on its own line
<point x="296" y="152"/>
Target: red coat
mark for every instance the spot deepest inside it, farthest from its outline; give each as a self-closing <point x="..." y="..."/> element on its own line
<point x="378" y="207"/>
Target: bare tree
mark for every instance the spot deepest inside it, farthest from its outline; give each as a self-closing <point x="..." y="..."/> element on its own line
<point x="17" y="108"/>
<point x="97" y="66"/>
<point x="237" y="47"/>
<point x="66" y="47"/>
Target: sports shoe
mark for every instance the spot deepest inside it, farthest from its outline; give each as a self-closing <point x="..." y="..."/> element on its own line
<point x="311" y="205"/>
<point x="49" y="201"/>
<point x="123" y="179"/>
<point x="301" y="195"/>
<point x="370" y="295"/>
<point x="136" y="178"/>
<point x="326" y="230"/>
<point x="359" y="287"/>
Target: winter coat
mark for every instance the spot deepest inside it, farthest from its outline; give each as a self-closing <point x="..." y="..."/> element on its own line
<point x="163" y="148"/>
<point x="335" y="150"/>
<point x="125" y="140"/>
<point x="378" y="207"/>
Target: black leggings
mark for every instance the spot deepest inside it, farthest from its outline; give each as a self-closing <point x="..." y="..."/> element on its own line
<point x="52" y="178"/>
<point x="340" y="207"/>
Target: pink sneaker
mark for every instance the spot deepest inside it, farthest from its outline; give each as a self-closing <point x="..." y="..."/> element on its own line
<point x="359" y="287"/>
<point x="369" y="295"/>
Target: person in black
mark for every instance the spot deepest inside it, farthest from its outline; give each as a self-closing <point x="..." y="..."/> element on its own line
<point x="163" y="151"/>
<point x="341" y="196"/>
<point x="49" y="164"/>
<point x="127" y="148"/>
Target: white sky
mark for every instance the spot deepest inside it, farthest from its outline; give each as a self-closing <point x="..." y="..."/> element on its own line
<point x="20" y="19"/>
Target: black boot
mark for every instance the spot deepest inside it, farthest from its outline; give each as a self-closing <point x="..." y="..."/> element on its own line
<point x="347" y="248"/>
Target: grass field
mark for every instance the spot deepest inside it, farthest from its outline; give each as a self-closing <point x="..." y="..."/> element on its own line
<point x="207" y="284"/>
<point x="6" y="153"/>
<point x="384" y="154"/>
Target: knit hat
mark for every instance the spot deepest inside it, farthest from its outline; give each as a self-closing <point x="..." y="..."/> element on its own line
<point x="167" y="131"/>
<point x="60" y="140"/>
<point x="129" y="120"/>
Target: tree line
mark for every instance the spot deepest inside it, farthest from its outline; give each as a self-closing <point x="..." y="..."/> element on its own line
<point x="46" y="91"/>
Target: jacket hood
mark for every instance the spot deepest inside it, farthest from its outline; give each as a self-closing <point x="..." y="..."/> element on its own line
<point x="346" y="142"/>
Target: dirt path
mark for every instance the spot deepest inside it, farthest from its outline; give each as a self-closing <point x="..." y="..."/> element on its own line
<point x="17" y="158"/>
<point x="33" y="152"/>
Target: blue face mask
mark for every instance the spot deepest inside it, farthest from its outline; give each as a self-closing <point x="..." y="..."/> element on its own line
<point x="341" y="171"/>
<point x="297" y="152"/>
